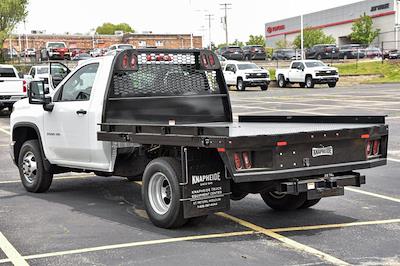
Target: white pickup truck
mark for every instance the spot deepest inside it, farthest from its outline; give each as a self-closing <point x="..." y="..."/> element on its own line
<point x="12" y="86"/>
<point x="245" y="74"/>
<point x="307" y="73"/>
<point x="164" y="117"/>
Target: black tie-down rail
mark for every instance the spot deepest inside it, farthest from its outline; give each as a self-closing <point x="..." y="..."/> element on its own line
<point x="322" y="187"/>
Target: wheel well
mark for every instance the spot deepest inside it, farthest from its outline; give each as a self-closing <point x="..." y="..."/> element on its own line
<point x="308" y="75"/>
<point x="239" y="78"/>
<point x="20" y="135"/>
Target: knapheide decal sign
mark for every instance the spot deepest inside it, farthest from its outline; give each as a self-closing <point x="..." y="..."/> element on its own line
<point x="275" y="28"/>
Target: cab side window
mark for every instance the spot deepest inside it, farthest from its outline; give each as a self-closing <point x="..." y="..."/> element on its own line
<point x="295" y="65"/>
<point x="79" y="86"/>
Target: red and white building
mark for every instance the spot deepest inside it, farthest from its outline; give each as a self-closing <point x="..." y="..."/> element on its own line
<point x="338" y="22"/>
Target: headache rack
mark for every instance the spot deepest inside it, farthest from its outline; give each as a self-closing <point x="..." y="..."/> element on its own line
<point x="160" y="86"/>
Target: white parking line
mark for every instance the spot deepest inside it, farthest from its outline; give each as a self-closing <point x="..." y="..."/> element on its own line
<point x="372" y="194"/>
<point x="12" y="254"/>
<point x="5" y="131"/>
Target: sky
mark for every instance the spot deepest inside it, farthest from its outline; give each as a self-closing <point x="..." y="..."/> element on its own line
<point x="245" y="17"/>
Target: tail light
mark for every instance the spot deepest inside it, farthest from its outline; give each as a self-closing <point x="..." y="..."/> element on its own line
<point x="211" y="59"/>
<point x="24" y="86"/>
<point x="125" y="61"/>
<point x="133" y="61"/>
<point x="246" y="160"/>
<point x="373" y="148"/>
<point x="204" y="60"/>
<point x="238" y="161"/>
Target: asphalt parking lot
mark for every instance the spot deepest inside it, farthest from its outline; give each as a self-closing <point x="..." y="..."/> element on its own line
<point x="89" y="220"/>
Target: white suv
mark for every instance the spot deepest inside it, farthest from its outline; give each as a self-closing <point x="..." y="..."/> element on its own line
<point x="244" y="74"/>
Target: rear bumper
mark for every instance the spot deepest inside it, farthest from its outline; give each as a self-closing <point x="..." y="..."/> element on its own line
<point x="304" y="172"/>
<point x="10" y="100"/>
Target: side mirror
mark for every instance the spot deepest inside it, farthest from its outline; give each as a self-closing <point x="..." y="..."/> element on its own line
<point x="36" y="92"/>
<point x="37" y="95"/>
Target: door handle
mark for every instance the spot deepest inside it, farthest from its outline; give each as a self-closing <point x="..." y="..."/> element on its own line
<point x="81" y="112"/>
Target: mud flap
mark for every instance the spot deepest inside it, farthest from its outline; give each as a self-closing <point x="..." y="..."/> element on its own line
<point x="205" y="188"/>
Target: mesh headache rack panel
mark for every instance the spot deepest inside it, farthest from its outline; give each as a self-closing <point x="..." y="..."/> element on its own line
<point x="165" y="75"/>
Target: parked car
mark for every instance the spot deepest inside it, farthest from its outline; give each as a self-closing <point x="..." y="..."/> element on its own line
<point x="323" y="51"/>
<point x="12" y="86"/>
<point x="55" y="50"/>
<point x="120" y="47"/>
<point x="96" y="52"/>
<point x="254" y="52"/>
<point x="351" y="51"/>
<point x="286" y="54"/>
<point x="39" y="72"/>
<point x="373" y="52"/>
<point x="243" y="74"/>
<point x="394" y="54"/>
<point x="81" y="56"/>
<point x="231" y="52"/>
<point x="9" y="53"/>
<point x="29" y="52"/>
<point x="307" y="73"/>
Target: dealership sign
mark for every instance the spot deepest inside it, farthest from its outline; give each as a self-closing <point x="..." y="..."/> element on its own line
<point x="380" y="7"/>
<point x="275" y="28"/>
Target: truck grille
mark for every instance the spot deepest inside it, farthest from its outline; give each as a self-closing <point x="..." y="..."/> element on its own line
<point x="326" y="73"/>
<point x="257" y="76"/>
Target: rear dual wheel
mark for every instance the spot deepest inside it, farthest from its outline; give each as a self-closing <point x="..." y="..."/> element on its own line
<point x="161" y="194"/>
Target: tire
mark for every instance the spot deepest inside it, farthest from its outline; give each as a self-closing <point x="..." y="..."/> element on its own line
<point x="332" y="85"/>
<point x="161" y="193"/>
<point x="309" y="203"/>
<point x="319" y="57"/>
<point x="10" y="108"/>
<point x="264" y="87"/>
<point x="281" y="81"/>
<point x="247" y="58"/>
<point x="309" y="82"/>
<point x="345" y="57"/>
<point x="31" y="169"/>
<point x="240" y="85"/>
<point x="302" y="85"/>
<point x="283" y="202"/>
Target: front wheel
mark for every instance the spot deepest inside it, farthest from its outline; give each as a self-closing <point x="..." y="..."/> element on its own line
<point x="161" y="193"/>
<point x="240" y="85"/>
<point x="264" y="87"/>
<point x="33" y="175"/>
<point x="309" y="82"/>
<point x="332" y="85"/>
<point x="281" y="81"/>
<point x="283" y="202"/>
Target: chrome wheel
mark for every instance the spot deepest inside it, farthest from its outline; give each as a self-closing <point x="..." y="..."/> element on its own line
<point x="159" y="192"/>
<point x="309" y="82"/>
<point x="29" y="167"/>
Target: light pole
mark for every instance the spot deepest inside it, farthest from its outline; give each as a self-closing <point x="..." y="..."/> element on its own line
<point x="302" y="36"/>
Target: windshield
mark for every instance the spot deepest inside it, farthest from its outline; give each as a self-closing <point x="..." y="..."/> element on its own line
<point x="315" y="64"/>
<point x="42" y="70"/>
<point x="125" y="46"/>
<point x="56" y="45"/>
<point x="247" y="66"/>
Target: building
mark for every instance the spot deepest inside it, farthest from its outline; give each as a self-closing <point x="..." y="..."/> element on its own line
<point x="87" y="42"/>
<point x="338" y="23"/>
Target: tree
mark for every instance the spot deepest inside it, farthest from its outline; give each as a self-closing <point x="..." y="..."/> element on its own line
<point x="363" y="32"/>
<point x="282" y="44"/>
<point x="235" y="43"/>
<point x="11" y="13"/>
<point x="256" y="40"/>
<point x="109" y="28"/>
<point x="313" y="37"/>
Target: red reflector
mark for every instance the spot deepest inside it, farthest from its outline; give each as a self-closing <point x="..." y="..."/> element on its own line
<point x="148" y="57"/>
<point x="24" y="86"/>
<point x="211" y="59"/>
<point x="246" y="159"/>
<point x="238" y="161"/>
<point x="281" y="143"/>
<point x="365" y="136"/>
<point x="125" y="61"/>
<point x="375" y="149"/>
<point x="221" y="149"/>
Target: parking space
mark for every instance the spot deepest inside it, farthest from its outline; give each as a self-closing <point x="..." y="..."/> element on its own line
<point x="91" y="220"/>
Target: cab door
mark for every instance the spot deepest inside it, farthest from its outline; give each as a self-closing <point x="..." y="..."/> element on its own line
<point x="230" y="74"/>
<point x="67" y="125"/>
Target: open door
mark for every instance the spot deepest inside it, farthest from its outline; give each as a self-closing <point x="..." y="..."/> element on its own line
<point x="58" y="72"/>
